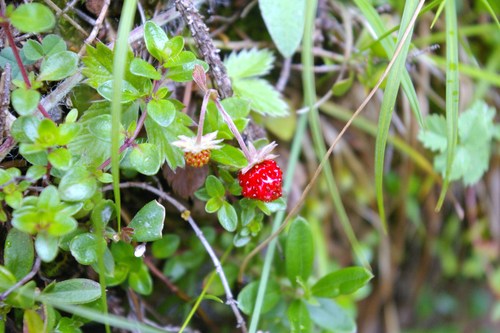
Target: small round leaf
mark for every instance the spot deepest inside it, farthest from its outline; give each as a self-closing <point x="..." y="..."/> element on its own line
<point x="32" y="17"/>
<point x="58" y="66"/>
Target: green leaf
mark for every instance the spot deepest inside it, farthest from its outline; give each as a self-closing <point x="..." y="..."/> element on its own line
<point x="148" y="222"/>
<point x="77" y="184"/>
<point x="285" y="22"/>
<point x="214" y="204"/>
<point x="145" y="158"/>
<point x="25" y="101"/>
<point x="184" y="73"/>
<point x="172" y="49"/>
<point x="229" y="155"/>
<point x="162" y="137"/>
<point x="433" y="136"/>
<point x="155" y="39"/>
<point x="103" y="212"/>
<point x="72" y="291"/>
<point x="32" y="322"/>
<point x="129" y="92"/>
<point x="298" y="315"/>
<point x="52" y="44"/>
<point x="93" y="143"/>
<point x="85" y="248"/>
<point x="32" y="17"/>
<point x="18" y="253"/>
<point x="249" y="63"/>
<point x="48" y="199"/>
<point x="143" y="68"/>
<point x="263" y="97"/>
<point x="299" y="251"/>
<point x="247" y="296"/>
<point x="140" y="280"/>
<point x="330" y="316"/>
<point x="342" y="282"/>
<point x="166" y="246"/>
<point x="60" y="158"/>
<point x="46" y="246"/>
<point x="33" y="50"/>
<point x="58" y="66"/>
<point x="7" y="279"/>
<point x="390" y="93"/>
<point x="68" y="325"/>
<point x="7" y="57"/>
<point x="214" y="187"/>
<point x="227" y="217"/>
<point x="161" y="111"/>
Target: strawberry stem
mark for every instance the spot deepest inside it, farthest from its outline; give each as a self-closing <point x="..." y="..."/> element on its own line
<point x="234" y="130"/>
<point x="203" y="111"/>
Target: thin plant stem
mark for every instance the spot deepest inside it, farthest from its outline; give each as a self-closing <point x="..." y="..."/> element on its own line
<point x="203" y="111"/>
<point x="218" y="267"/>
<point x="234" y="130"/>
<point x="29" y="276"/>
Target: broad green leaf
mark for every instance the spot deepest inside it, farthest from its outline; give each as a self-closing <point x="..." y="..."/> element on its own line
<point x="103" y="212"/>
<point x="148" y="222"/>
<point x="84" y="248"/>
<point x="72" y="291"/>
<point x="229" y="155"/>
<point x="145" y="158"/>
<point x="228" y="217"/>
<point x="166" y="246"/>
<point x="35" y="172"/>
<point x="184" y="73"/>
<point x="299" y="251"/>
<point x="52" y="44"/>
<point x="156" y="39"/>
<point x="214" y="187"/>
<point x="68" y="325"/>
<point x="77" y="184"/>
<point x="214" y="204"/>
<point x="32" y="322"/>
<point x="342" y="282"/>
<point x="328" y="315"/>
<point x="7" y="279"/>
<point x="173" y="48"/>
<point x="162" y="137"/>
<point x="25" y="101"/>
<point x="140" y="280"/>
<point x="32" y="17"/>
<point x="48" y="199"/>
<point x="60" y="158"/>
<point x="161" y="111"/>
<point x="46" y="246"/>
<point x="247" y="296"/>
<point x="263" y="97"/>
<point x="181" y="59"/>
<point x="33" y="50"/>
<point x="99" y="69"/>
<point x="7" y="57"/>
<point x="18" y="253"/>
<point x="433" y="136"/>
<point x="298" y="315"/>
<point x="284" y="20"/>
<point x="249" y="63"/>
<point x="143" y="68"/>
<point x="129" y="92"/>
<point x="58" y="66"/>
<point x="62" y="224"/>
<point x="25" y="128"/>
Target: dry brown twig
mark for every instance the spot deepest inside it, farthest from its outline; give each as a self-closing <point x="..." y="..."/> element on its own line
<point x="208" y="51"/>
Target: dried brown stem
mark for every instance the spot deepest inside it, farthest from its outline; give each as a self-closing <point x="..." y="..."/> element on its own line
<point x="208" y="51"/>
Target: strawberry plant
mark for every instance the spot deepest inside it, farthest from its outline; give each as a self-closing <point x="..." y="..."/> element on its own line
<point x="162" y="171"/>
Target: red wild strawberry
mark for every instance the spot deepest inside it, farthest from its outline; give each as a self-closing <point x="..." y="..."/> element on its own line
<point x="197" y="160"/>
<point x="262" y="182"/>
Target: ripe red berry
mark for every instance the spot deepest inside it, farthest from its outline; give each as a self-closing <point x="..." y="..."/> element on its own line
<point x="197" y="160"/>
<point x="262" y="182"/>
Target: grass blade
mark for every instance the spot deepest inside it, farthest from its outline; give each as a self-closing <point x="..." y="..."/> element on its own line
<point x="378" y="28"/>
<point x="452" y="93"/>
<point x="387" y="107"/>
